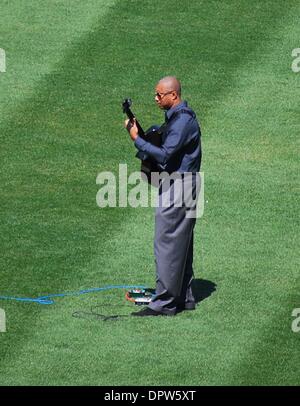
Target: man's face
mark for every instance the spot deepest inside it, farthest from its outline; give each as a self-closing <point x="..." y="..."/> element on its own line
<point x="164" y="98"/>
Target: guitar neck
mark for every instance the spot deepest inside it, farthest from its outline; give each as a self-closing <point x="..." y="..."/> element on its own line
<point x="131" y="117"/>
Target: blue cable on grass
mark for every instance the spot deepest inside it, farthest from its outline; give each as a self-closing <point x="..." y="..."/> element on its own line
<point x="46" y="300"/>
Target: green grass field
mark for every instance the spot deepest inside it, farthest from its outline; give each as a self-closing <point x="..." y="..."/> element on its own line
<point x="69" y="65"/>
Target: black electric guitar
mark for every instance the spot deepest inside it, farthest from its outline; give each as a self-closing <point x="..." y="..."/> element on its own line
<point x="152" y="135"/>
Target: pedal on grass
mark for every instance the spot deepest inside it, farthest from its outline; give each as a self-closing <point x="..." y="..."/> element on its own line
<point x="139" y="296"/>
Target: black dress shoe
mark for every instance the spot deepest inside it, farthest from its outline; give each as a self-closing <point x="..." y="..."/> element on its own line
<point x="147" y="312"/>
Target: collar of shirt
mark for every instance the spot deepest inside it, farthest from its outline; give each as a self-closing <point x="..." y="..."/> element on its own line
<point x="172" y="110"/>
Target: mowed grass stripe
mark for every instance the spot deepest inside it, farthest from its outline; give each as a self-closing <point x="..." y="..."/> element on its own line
<point x="124" y="352"/>
<point x="35" y="36"/>
<point x="33" y="222"/>
<point x="45" y="137"/>
<point x="268" y="166"/>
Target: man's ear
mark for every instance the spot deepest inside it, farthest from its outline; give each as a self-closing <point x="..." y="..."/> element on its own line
<point x="174" y="95"/>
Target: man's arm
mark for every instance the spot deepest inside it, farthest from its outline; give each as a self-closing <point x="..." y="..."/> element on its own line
<point x="177" y="137"/>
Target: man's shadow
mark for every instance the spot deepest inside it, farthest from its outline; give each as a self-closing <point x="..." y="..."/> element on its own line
<point x="202" y="289"/>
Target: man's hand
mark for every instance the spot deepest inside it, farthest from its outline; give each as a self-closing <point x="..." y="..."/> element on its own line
<point x="131" y="128"/>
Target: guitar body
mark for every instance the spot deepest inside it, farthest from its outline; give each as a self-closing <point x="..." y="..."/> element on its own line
<point x="152" y="135"/>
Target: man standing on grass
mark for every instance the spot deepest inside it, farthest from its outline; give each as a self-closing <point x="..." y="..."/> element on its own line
<point x="180" y="155"/>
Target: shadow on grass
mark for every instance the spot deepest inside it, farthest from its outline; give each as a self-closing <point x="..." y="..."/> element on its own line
<point x="202" y="289"/>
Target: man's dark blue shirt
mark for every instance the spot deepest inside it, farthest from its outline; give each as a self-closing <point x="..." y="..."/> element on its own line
<point x="181" y="142"/>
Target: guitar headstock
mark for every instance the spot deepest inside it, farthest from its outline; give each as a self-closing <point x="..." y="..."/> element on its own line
<point x="126" y="105"/>
<point x="126" y="109"/>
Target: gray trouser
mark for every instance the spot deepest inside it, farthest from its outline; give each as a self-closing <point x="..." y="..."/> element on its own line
<point x="173" y="250"/>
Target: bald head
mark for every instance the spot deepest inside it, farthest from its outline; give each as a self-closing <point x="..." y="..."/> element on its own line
<point x="168" y="92"/>
<point x="171" y="83"/>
